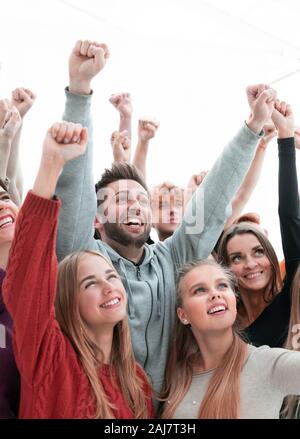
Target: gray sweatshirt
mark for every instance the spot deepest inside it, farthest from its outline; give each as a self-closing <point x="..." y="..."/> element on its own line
<point x="268" y="375"/>
<point x="151" y="285"/>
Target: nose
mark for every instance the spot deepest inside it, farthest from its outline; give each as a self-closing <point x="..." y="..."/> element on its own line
<point x="106" y="287"/>
<point x="134" y="206"/>
<point x="214" y="295"/>
<point x="250" y="263"/>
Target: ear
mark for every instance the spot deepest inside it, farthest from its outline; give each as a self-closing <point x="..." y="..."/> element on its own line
<point x="182" y="316"/>
<point x="97" y="224"/>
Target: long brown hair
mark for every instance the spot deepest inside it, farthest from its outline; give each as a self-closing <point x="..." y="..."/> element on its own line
<point x="122" y="359"/>
<point x="292" y="403"/>
<point x="242" y="229"/>
<point x="222" y="397"/>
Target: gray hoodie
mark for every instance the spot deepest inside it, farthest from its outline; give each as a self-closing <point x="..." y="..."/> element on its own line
<point x="151" y="285"/>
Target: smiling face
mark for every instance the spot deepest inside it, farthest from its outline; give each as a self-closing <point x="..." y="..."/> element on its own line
<point x="167" y="205"/>
<point x="102" y="297"/>
<point x="208" y="302"/>
<point x="126" y="214"/>
<point x="8" y="215"/>
<point x="249" y="262"/>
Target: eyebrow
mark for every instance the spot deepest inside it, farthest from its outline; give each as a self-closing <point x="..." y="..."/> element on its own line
<point x="93" y="277"/>
<point x="238" y="253"/>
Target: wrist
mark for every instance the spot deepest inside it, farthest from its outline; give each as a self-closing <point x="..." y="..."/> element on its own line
<point x="255" y="125"/>
<point x="143" y="142"/>
<point x="5" y="139"/>
<point x="285" y="133"/>
<point x="52" y="164"/>
<point x="80" y="87"/>
<point x="125" y="117"/>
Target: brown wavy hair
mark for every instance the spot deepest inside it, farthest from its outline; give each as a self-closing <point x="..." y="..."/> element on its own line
<point x="242" y="229"/>
<point x="222" y="397"/>
<point x="122" y="359"/>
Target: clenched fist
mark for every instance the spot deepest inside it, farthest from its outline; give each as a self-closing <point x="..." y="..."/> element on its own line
<point x="87" y="59"/>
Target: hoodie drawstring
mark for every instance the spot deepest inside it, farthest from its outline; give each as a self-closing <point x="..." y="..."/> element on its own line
<point x="159" y="283"/>
<point x="131" y="311"/>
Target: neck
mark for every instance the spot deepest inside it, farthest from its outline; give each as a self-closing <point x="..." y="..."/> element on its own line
<point x="253" y="305"/>
<point x="129" y="252"/>
<point x="4" y="254"/>
<point x="213" y="347"/>
<point x="163" y="235"/>
<point x="104" y="339"/>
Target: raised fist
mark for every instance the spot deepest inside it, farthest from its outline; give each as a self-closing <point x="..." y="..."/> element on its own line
<point x="87" y="59"/>
<point x="283" y="119"/>
<point x="10" y="119"/>
<point x="65" y="141"/>
<point x="147" y="128"/>
<point x="196" y="180"/>
<point x="122" y="102"/>
<point x="121" y="144"/>
<point x="261" y="100"/>
<point x="22" y="99"/>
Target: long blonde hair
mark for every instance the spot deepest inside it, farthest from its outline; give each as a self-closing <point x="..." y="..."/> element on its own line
<point x="222" y="397"/>
<point x="292" y="403"/>
<point x="122" y="359"/>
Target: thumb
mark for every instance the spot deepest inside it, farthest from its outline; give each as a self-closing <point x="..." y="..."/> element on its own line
<point x="84" y="137"/>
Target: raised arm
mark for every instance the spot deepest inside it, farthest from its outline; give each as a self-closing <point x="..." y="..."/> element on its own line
<point x="194" y="182"/>
<point x="22" y="99"/>
<point x="122" y="103"/>
<point x="288" y="209"/>
<point x="121" y="146"/>
<point x="10" y="123"/>
<point x="30" y="284"/>
<point x="210" y="206"/>
<point x="146" y="131"/>
<point x="250" y="181"/>
<point x="76" y="184"/>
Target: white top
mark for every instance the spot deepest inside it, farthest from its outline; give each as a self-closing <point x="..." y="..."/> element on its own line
<point x="269" y="374"/>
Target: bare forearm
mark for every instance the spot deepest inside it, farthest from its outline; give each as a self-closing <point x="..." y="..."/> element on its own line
<point x="247" y="187"/>
<point x="125" y="124"/>
<point x="13" y="161"/>
<point x="140" y="156"/>
<point x="5" y="146"/>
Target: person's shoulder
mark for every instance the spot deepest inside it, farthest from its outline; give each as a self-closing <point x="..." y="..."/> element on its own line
<point x="266" y="354"/>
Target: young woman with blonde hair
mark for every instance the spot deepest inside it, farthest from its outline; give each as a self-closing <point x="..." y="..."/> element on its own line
<point x="75" y="359"/>
<point x="212" y="373"/>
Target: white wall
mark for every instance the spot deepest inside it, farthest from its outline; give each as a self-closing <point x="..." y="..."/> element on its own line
<point x="185" y="61"/>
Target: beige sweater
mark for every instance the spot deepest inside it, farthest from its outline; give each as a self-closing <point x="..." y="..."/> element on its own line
<point x="268" y="375"/>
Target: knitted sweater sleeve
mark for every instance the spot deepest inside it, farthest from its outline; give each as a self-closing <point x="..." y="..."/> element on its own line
<point x="30" y="286"/>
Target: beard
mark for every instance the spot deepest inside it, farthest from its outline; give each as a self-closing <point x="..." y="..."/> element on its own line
<point x="114" y="232"/>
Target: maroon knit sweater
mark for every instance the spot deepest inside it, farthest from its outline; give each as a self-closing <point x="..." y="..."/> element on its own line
<point x="53" y="382"/>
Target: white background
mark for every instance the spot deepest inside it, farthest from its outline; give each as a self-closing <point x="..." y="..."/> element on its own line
<point x="187" y="62"/>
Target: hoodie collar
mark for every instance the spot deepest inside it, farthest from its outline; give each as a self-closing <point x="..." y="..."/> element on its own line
<point x="115" y="257"/>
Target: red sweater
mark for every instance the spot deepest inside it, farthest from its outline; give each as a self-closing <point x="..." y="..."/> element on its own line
<point x="53" y="382"/>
